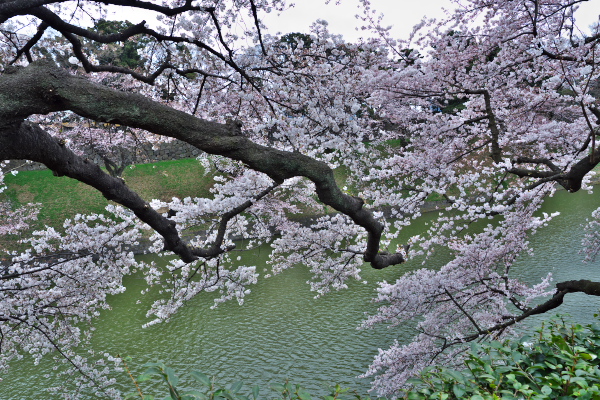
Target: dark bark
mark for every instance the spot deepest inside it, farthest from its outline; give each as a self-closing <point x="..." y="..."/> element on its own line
<point x="41" y="88"/>
<point x="10" y="8"/>
<point x="570" y="180"/>
<point x="562" y="288"/>
<point x="583" y="286"/>
<point x="73" y="33"/>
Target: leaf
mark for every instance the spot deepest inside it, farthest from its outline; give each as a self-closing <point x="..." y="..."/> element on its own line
<point x="227" y="395"/>
<point x="303" y="394"/>
<point x="517" y="356"/>
<point x="458" y="391"/>
<point x="154" y="371"/>
<point x="288" y="387"/>
<point x="457" y="376"/>
<point x="587" y="356"/>
<point x="144" y="377"/>
<point x="278" y="387"/>
<point x="236" y="386"/>
<point x="171" y="377"/>
<point x="194" y="394"/>
<point x="255" y="390"/>
<point x="546" y="390"/>
<point x="200" y="377"/>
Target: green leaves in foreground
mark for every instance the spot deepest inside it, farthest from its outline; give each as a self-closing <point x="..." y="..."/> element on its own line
<point x="206" y="388"/>
<point x="560" y="363"/>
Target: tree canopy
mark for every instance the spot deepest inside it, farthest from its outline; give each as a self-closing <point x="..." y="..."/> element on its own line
<point x="492" y="109"/>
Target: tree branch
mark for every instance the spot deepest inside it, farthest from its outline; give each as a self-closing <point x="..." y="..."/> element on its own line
<point x="42" y="88"/>
<point x="562" y="288"/>
<point x="70" y="32"/>
<point x="571" y="180"/>
<point x="19" y="7"/>
<point x="25" y="49"/>
<point x="495" y="151"/>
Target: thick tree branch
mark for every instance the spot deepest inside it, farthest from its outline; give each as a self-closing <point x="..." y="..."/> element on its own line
<point x="570" y="180"/>
<point x="72" y="33"/>
<point x="60" y="25"/>
<point x="42" y="88"/>
<point x="562" y="288"/>
<point x="17" y="7"/>
<point x="545" y="161"/>
<point x="28" y="141"/>
<point x="583" y="286"/>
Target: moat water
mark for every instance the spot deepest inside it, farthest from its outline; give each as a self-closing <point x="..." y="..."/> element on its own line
<point x="282" y="332"/>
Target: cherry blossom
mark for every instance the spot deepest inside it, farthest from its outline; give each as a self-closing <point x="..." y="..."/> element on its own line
<point x="325" y="150"/>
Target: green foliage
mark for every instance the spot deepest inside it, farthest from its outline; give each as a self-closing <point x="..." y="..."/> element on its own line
<point x="454" y="105"/>
<point x="206" y="388"/>
<point x="124" y="54"/>
<point x="410" y="56"/>
<point x="61" y="197"/>
<point x="561" y="363"/>
<point x="293" y="40"/>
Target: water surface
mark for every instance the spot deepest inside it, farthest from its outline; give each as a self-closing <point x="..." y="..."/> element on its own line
<point x="282" y="332"/>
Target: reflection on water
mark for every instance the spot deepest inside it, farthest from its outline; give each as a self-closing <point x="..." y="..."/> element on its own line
<point x="281" y="332"/>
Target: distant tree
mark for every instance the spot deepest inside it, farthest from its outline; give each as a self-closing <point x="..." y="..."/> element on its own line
<point x="295" y="40"/>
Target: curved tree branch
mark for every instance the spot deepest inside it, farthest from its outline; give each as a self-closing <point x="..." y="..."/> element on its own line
<point x="15" y="7"/>
<point x="42" y="88"/>
<point x="73" y="32"/>
<point x="570" y="180"/>
<point x="562" y="288"/>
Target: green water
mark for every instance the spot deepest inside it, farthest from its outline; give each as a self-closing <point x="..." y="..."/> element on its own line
<point x="282" y="332"/>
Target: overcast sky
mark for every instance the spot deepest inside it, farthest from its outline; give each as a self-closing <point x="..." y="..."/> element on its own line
<point x="401" y="14"/>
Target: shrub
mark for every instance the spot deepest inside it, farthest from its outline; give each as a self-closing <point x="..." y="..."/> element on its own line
<point x="560" y="362"/>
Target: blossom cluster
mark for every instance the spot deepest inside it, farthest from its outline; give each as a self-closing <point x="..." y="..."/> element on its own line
<point x="484" y="113"/>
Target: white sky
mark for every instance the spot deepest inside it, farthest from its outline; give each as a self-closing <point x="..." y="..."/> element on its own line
<point x="401" y="14"/>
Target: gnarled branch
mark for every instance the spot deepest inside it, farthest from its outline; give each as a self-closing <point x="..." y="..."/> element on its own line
<point x="42" y="88"/>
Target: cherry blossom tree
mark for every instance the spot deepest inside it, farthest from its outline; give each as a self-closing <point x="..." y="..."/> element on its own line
<point x="246" y="107"/>
<point x="499" y="112"/>
<point x="491" y="110"/>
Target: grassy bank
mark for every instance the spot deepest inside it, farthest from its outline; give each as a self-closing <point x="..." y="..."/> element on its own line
<point x="62" y="197"/>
